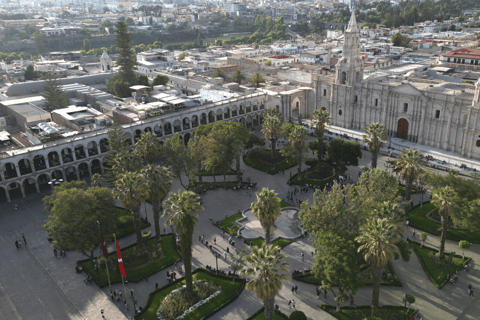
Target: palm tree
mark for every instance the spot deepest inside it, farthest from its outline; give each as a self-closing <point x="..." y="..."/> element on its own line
<point x="256" y="79"/>
<point x="179" y="211"/>
<point x="409" y="165"/>
<point x="267" y="208"/>
<point x="320" y="118"/>
<point x="378" y="238"/>
<point x="375" y="136"/>
<point x="148" y="147"/>
<point x="297" y="138"/>
<point x="126" y="161"/>
<point x="445" y="200"/>
<point x="267" y="268"/>
<point x="130" y="189"/>
<point x="238" y="76"/>
<point x="158" y="181"/>
<point x="272" y="129"/>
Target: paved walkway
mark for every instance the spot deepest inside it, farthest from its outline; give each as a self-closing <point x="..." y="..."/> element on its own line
<point x="35" y="284"/>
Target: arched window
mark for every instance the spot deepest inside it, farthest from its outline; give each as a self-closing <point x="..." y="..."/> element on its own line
<point x="339" y="112"/>
<point x="343" y="80"/>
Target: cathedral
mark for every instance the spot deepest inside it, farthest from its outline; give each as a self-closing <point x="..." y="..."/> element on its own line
<point x="430" y="105"/>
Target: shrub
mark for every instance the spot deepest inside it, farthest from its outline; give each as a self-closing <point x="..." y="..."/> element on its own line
<point x="124" y="222"/>
<point x="372" y="318"/>
<point x="310" y="161"/>
<point x="405" y="250"/>
<point x="297" y="315"/>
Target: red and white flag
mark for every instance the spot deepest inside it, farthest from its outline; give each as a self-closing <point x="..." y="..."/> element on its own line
<point x="104" y="245"/>
<point x="120" y="261"/>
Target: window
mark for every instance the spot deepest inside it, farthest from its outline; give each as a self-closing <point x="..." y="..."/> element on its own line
<point x="356" y="99"/>
<point x="376" y="102"/>
<point x="324" y="92"/>
<point x="437" y="114"/>
<point x="339" y="112"/>
<point x="405" y="107"/>
<point x="478" y="143"/>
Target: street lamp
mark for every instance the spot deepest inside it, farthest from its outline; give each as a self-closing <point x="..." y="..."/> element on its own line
<point x="146" y="217"/>
<point x="216" y="262"/>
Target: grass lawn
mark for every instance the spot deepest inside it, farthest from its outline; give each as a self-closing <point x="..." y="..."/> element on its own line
<point x="170" y="255"/>
<point x="230" y="227"/>
<point x="304" y="179"/>
<point x="284" y="204"/>
<point x="401" y="189"/>
<point x="260" y="315"/>
<point x="365" y="278"/>
<point x="258" y="164"/>
<point x="362" y="312"/>
<point x="282" y="243"/>
<point x="438" y="277"/>
<point x="128" y="228"/>
<point x="418" y="219"/>
<point x="230" y="291"/>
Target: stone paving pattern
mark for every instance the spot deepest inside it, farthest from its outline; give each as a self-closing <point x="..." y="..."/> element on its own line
<point x="34" y="284"/>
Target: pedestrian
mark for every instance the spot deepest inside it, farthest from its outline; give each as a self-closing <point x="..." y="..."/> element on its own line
<point x="296" y="288"/>
<point x="303" y="256"/>
<point x="114" y="293"/>
<point x="290" y="174"/>
<point x="293" y="290"/>
<point x="200" y="238"/>
<point x="408" y="222"/>
<point x="120" y="293"/>
<point x="24" y="240"/>
<point x="324" y="293"/>
<point x="351" y="300"/>
<point x="102" y="313"/>
<point x="228" y="250"/>
<point x="214" y="240"/>
<point x="16" y="207"/>
<point x="317" y="292"/>
<point x="156" y="285"/>
<point x="470" y="291"/>
<point x="131" y="293"/>
<point x="111" y="296"/>
<point x="225" y="255"/>
<point x="293" y="304"/>
<point x="413" y="234"/>
<point x="289" y="304"/>
<point x="16" y="244"/>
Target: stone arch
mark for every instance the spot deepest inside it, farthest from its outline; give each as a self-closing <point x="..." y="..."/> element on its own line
<point x="255" y="107"/>
<point x="128" y="138"/>
<point x="195" y="121"/>
<point x="67" y="155"/>
<point x="83" y="170"/>
<point x="186" y="123"/>
<point x="80" y="152"/>
<point x="186" y="137"/>
<point x="234" y="111"/>
<point x="96" y="166"/>
<point x="242" y="120"/>
<point x="203" y="118"/>
<point x="92" y="148"/>
<point x="158" y="130"/>
<point x="177" y="126"/>
<point x="138" y="134"/>
<point x="241" y="109"/>
<point x="248" y="107"/>
<point x="147" y="129"/>
<point x="58" y="174"/>
<point x="39" y="162"/>
<point x="53" y="159"/>
<point x="71" y="173"/>
<point x="9" y="170"/>
<point x="24" y="167"/>
<point x="226" y="113"/>
<point x="248" y="121"/>
<point x="3" y="195"/>
<point x="168" y="128"/>
<point x="15" y="190"/>
<point x="343" y="77"/>
<point x="29" y="186"/>
<point x="402" y="128"/>
<point x="44" y="179"/>
<point x="262" y="104"/>
<point x="104" y="145"/>
<point x="211" y="117"/>
<point x="219" y="115"/>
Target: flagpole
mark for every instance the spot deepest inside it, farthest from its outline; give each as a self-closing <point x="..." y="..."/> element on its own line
<point x="123" y="281"/>
<point x="106" y="263"/>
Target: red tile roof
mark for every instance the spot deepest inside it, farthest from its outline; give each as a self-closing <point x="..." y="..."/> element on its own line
<point x="464" y="53"/>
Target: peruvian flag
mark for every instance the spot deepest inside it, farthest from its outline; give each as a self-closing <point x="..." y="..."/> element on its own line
<point x="104" y="245"/>
<point x="120" y="261"/>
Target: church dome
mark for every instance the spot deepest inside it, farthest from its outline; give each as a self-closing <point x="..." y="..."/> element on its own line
<point x="104" y="56"/>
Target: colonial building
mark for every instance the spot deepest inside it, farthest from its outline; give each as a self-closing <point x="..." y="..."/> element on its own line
<point x="413" y="102"/>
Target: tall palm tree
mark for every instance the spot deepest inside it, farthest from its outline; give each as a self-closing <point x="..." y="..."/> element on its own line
<point x="126" y="161"/>
<point x="320" y="118"/>
<point x="445" y="200"/>
<point x="375" y="136"/>
<point x="256" y="79"/>
<point x="272" y="129"/>
<point x="297" y="138"/>
<point x="267" y="208"/>
<point x="158" y="181"/>
<point x="130" y="189"/>
<point x="179" y="211"/>
<point x="267" y="268"/>
<point x="378" y="238"/>
<point x="148" y="147"/>
<point x="409" y="165"/>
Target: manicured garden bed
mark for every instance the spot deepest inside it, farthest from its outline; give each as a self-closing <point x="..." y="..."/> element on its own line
<point x="438" y="277"/>
<point x="284" y="204"/>
<point x="260" y="159"/>
<point x="282" y="243"/>
<point x="260" y="315"/>
<point x="365" y="277"/>
<point x="362" y="312"/>
<point x="168" y="257"/>
<point x="229" y="224"/>
<point x="418" y="220"/>
<point x="125" y="225"/>
<point x="325" y="176"/>
<point x="230" y="291"/>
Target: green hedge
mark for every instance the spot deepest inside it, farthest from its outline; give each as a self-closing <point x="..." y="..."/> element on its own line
<point x="282" y="243"/>
<point x="361" y="312"/>
<point x="267" y="167"/>
<point x="260" y="315"/>
<point x="134" y="275"/>
<point x="230" y="221"/>
<point x="418" y="220"/>
<point x="230" y="291"/>
<point x="125" y="226"/>
<point x="438" y="278"/>
<point x="303" y="180"/>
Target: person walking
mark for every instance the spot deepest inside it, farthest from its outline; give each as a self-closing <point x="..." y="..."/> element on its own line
<point x="296" y="288"/>
<point x="214" y="240"/>
<point x="303" y="256"/>
<point x="24" y="240"/>
<point x="408" y="222"/>
<point x="228" y="250"/>
<point x="102" y="313"/>
<point x="351" y="300"/>
<point x="16" y="244"/>
<point x="156" y="285"/>
<point x="413" y="234"/>
<point x="293" y="304"/>
<point x="111" y="296"/>
<point x="225" y="255"/>
<point x="324" y="293"/>
<point x="114" y="294"/>
<point x="293" y="290"/>
<point x="470" y="291"/>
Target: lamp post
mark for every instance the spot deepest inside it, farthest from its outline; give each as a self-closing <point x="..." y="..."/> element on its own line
<point x="404" y="304"/>
<point x="216" y="262"/>
<point x="146" y="217"/>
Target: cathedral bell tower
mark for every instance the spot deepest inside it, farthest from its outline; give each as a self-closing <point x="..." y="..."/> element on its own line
<point x="350" y="67"/>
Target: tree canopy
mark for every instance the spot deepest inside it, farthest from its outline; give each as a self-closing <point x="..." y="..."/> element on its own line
<point x="55" y="97"/>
